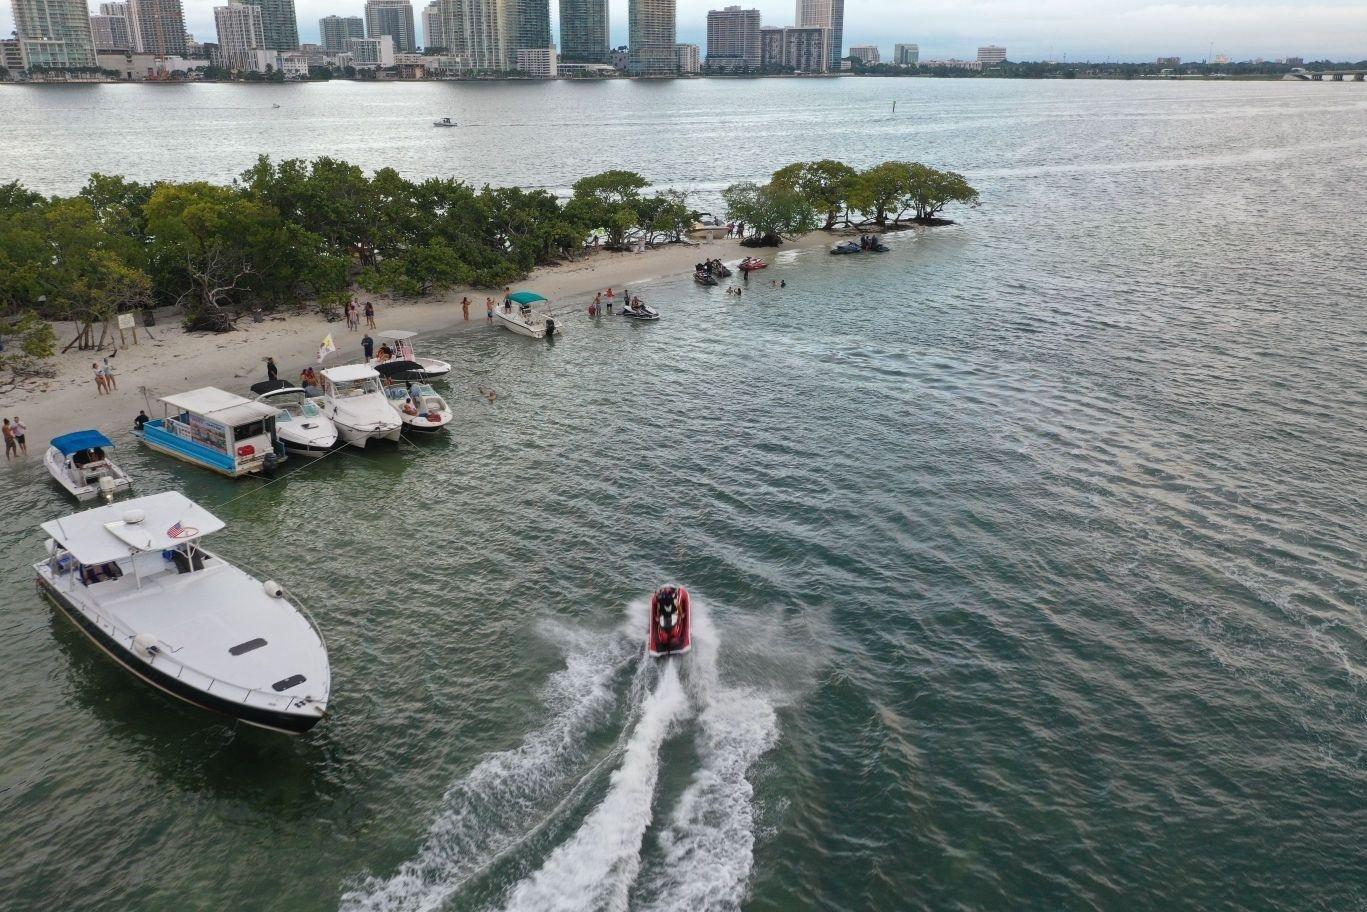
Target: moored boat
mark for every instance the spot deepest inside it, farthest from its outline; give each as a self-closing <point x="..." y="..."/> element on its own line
<point x="216" y="430"/>
<point x="640" y="311"/>
<point x="300" y="425"/>
<point x="136" y="580"/>
<point x="428" y="368"/>
<point x="78" y="462"/>
<point x="419" y="406"/>
<point x="750" y="264"/>
<point x="353" y="399"/>
<point x="528" y="314"/>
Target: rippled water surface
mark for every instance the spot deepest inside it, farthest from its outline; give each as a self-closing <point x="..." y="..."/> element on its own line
<point x="1030" y="554"/>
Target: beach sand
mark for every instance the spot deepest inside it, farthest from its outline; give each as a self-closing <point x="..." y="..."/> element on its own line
<point x="173" y="361"/>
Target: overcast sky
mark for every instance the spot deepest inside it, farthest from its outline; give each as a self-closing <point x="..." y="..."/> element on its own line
<point x="1030" y="29"/>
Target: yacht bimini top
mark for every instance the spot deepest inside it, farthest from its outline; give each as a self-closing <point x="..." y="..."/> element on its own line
<point x="345" y="373"/>
<point x="77" y="441"/>
<point x="155" y="523"/>
<point x="398" y="335"/>
<point x="220" y="405"/>
<point x="525" y="297"/>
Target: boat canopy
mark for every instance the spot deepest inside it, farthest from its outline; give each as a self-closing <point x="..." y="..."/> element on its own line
<point x="270" y="386"/>
<point x="398" y="335"/>
<point x="348" y="372"/>
<point x="220" y="405"/>
<point x="525" y="297"/>
<point x="152" y="523"/>
<point x="401" y="370"/>
<point x="80" y="440"/>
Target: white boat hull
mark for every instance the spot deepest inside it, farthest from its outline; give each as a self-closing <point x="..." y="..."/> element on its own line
<point x="534" y="328"/>
<point x="61" y="473"/>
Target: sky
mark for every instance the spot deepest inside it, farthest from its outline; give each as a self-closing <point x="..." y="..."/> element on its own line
<point x="1029" y="29"/>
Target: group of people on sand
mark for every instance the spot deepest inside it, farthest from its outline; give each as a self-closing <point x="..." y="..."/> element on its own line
<point x="354" y="312"/>
<point x="104" y="377"/>
<point x="16" y="439"/>
<point x="735" y="229"/>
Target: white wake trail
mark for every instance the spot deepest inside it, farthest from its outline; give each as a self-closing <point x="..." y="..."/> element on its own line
<point x="596" y="868"/>
<point x="486" y="813"/>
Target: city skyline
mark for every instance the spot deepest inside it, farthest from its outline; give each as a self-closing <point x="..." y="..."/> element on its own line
<point x="1054" y="29"/>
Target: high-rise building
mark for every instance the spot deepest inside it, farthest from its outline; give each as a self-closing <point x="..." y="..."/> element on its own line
<point x="866" y="54"/>
<point x="371" y="53"/>
<point x="770" y="47"/>
<point x="688" y="58"/>
<point x="538" y="63"/>
<point x="54" y="34"/>
<point x="807" y="49"/>
<point x="584" y="31"/>
<point x="110" y="31"/>
<point x="733" y="38"/>
<point x="393" y="18"/>
<point x="333" y="32"/>
<point x="433" y="35"/>
<point x="157" y="27"/>
<point x="906" y="54"/>
<point x="827" y="14"/>
<point x="527" y="26"/>
<point x="474" y="32"/>
<point x="10" y="57"/>
<point x="278" y="22"/>
<point x="652" y="31"/>
<point x="240" y="35"/>
<point x="991" y="55"/>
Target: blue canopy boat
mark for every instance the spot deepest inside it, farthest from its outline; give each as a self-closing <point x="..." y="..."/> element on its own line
<point x="78" y="462"/>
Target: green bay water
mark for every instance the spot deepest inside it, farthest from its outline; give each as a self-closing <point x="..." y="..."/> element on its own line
<point x="1029" y="555"/>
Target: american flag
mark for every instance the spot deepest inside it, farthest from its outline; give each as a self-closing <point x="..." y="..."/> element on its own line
<point x="179" y="531"/>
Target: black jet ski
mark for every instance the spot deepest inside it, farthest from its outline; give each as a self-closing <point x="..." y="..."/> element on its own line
<point x="702" y="277"/>
<point x="846" y="248"/>
<point x="671" y="622"/>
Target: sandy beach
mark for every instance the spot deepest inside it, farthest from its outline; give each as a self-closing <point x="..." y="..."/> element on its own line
<point x="172" y="360"/>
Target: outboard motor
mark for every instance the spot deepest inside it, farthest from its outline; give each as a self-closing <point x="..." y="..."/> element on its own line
<point x="550" y="327"/>
<point x="268" y="464"/>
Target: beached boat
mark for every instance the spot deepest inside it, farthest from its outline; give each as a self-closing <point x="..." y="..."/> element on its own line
<point x="78" y="462"/>
<point x="216" y="430"/>
<point x="353" y="399"/>
<point x="528" y="314"/>
<point x="419" y="406"/>
<point x="300" y="424"/>
<point x="135" y="579"/>
<point x="430" y="368"/>
<point x="445" y="122"/>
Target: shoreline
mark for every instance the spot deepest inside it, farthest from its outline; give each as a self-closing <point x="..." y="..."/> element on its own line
<point x="173" y="360"/>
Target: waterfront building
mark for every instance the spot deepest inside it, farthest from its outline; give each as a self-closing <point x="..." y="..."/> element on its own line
<point x="733" y="38"/>
<point x="620" y="58"/>
<point x="371" y="53"/>
<point x="770" y="47"/>
<point x="393" y="18"/>
<point x="110" y="33"/>
<point x="906" y="55"/>
<point x="584" y="31"/>
<point x="10" y="57"/>
<point x="538" y="63"/>
<point x="827" y="14"/>
<point x="1169" y="61"/>
<point x="688" y="58"/>
<point x="160" y="26"/>
<point x="991" y="55"/>
<point x="240" y="35"/>
<point x="278" y="22"/>
<point x="807" y="50"/>
<point x="474" y="31"/>
<point x="293" y="64"/>
<point x="54" y="34"/>
<point x="866" y="54"/>
<point x="334" y="31"/>
<point x="193" y="49"/>
<point x="314" y="54"/>
<point x="527" y="25"/>
<point x="1295" y="61"/>
<point x="953" y="63"/>
<point x="141" y="67"/>
<point x="652" y="34"/>
<point x="432" y="34"/>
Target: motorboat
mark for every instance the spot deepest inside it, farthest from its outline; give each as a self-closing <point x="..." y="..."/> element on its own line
<point x="300" y="424"/>
<point x="445" y="122"/>
<point x="136" y="579"/>
<point x="640" y="312"/>
<point x="353" y="399"/>
<point x="79" y="464"/>
<point x="671" y="622"/>
<point x="847" y="248"/>
<point x="750" y="264"/>
<point x="528" y="314"/>
<point x="216" y="430"/>
<point x="419" y="406"/>
<point x="703" y="277"/>
<point x="430" y="368"/>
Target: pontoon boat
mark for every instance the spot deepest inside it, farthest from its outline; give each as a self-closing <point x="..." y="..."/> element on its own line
<point x="217" y="430"/>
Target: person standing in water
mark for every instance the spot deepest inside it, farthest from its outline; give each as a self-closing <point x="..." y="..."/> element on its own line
<point x="465" y="308"/>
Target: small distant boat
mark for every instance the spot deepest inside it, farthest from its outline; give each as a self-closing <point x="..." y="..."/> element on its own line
<point x="419" y="406"/>
<point x="136" y="580"/>
<point x="353" y="399"/>
<point x="427" y="368"/>
<point x="520" y="314"/>
<point x="445" y="122"/>
<point x="79" y="464"/>
<point x="750" y="264"/>
<point x="300" y="424"/>
<point x="671" y="622"/>
<point x="641" y="312"/>
<point x="275" y="106"/>
<point x="216" y="430"/>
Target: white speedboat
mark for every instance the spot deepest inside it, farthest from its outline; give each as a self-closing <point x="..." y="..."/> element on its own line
<point x="352" y="398"/>
<point x="428" y="368"/>
<point x="134" y="577"/>
<point x="528" y="314"/>
<point x="445" y="122"/>
<point x="419" y="407"/>
<point x="301" y="426"/>
<point x="79" y="464"/>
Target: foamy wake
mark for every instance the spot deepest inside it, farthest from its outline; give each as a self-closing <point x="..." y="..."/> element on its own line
<point x="485" y="813"/>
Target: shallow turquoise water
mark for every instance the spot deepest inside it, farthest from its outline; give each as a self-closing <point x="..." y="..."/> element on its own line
<point x="1030" y="556"/>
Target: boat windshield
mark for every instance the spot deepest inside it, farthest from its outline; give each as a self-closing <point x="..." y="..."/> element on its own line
<point x="347" y="389"/>
<point x="294" y="405"/>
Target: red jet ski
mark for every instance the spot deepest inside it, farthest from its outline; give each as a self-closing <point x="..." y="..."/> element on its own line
<point x="671" y="622"/>
<point x="751" y="264"/>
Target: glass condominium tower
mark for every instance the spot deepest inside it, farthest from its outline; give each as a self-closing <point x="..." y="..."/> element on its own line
<point x="653" y="38"/>
<point x="278" y="22"/>
<point x="54" y="33"/>
<point x="528" y="26"/>
<point x="584" y="31"/>
<point x="825" y="14"/>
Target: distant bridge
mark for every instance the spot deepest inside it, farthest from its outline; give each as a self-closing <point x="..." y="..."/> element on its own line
<point x="1327" y="75"/>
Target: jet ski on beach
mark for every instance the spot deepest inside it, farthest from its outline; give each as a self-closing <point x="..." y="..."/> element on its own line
<point x="671" y="622"/>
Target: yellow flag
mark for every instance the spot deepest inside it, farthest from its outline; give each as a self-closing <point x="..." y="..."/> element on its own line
<point x="327" y="348"/>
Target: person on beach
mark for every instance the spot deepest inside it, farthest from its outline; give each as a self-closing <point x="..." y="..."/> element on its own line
<point x="109" y="381"/>
<point x="308" y="377"/>
<point x="142" y="419"/>
<point x="368" y="346"/>
<point x="353" y="319"/>
<point x="99" y="379"/>
<point x="465" y="308"/>
<point x="489" y="309"/>
<point x="369" y="315"/>
<point x="20" y="429"/>
<point x="11" y="448"/>
<point x="272" y="372"/>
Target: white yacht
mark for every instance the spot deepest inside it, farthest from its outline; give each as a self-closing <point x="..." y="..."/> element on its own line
<point x="528" y="314"/>
<point x="426" y="369"/>
<point x="352" y="398"/>
<point x="135" y="579"/>
<point x="79" y="463"/>
<point x="301" y="426"/>
<point x="419" y="406"/>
